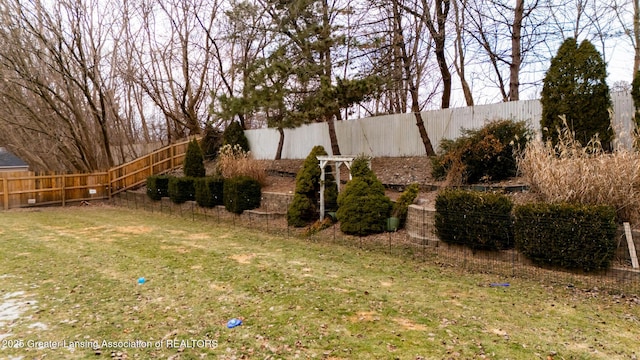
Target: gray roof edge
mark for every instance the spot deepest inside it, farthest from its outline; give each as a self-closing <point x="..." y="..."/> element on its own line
<point x="9" y="160"/>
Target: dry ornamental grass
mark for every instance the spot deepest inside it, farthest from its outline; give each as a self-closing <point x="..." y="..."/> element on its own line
<point x="572" y="173"/>
<point x="233" y="161"/>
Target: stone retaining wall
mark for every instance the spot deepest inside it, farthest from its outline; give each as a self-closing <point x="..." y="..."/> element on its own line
<point x="420" y="225"/>
<point x="276" y="202"/>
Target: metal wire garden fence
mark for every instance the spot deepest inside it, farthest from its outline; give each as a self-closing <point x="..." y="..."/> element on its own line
<point x="420" y="243"/>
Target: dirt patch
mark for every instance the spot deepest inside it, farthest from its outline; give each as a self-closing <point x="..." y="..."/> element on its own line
<point x="133" y="229"/>
<point x="201" y="236"/>
<point x="243" y="258"/>
<point x="365" y="316"/>
<point x="409" y="325"/>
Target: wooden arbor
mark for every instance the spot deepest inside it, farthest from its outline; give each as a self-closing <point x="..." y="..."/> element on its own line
<point x="337" y="161"/>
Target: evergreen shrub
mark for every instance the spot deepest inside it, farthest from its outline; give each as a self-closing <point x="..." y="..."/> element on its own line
<point x="157" y="186"/>
<point x="234" y="135"/>
<point x="211" y="142"/>
<point x="401" y="206"/>
<point x="301" y="211"/>
<point x="304" y="208"/>
<point x="209" y="191"/>
<point x="363" y="208"/>
<point x="241" y="193"/>
<point x="194" y="160"/>
<point x="575" y="87"/>
<point x="479" y="220"/>
<point x="181" y="189"/>
<point x="485" y="154"/>
<point x="565" y="235"/>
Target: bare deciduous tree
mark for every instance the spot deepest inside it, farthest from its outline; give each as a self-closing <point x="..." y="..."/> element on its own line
<point x="510" y="37"/>
<point x="173" y="60"/>
<point x="53" y="63"/>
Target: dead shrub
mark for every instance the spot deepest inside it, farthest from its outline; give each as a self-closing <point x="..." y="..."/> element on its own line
<point x="572" y="173"/>
<point x="234" y="161"/>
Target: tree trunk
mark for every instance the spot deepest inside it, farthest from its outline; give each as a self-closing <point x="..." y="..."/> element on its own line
<point x="280" y="144"/>
<point x="636" y="34"/>
<point x="335" y="149"/>
<point x="428" y="147"/>
<point x="439" y="37"/>
<point x="411" y="82"/>
<point x="446" y="75"/>
<point x="459" y="47"/>
<point x="516" y="56"/>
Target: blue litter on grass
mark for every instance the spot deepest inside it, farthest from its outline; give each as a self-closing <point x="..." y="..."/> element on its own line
<point x="141" y="280"/>
<point x="233" y="323"/>
<point x="499" y="284"/>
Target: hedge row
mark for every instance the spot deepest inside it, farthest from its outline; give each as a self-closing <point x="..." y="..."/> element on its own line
<point x="569" y="236"/>
<point x="478" y="220"/>
<point x="565" y="235"/>
<point x="236" y="194"/>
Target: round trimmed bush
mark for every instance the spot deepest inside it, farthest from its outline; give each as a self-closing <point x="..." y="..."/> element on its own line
<point x="363" y="208"/>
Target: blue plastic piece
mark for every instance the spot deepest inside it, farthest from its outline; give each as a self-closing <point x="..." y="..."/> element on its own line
<point x="141" y="280"/>
<point x="499" y="284"/>
<point x="233" y="323"/>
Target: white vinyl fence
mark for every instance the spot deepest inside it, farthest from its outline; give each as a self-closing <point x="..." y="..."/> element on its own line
<point x="397" y="135"/>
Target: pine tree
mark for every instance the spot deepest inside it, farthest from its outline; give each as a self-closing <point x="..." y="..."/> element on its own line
<point x="234" y="135"/>
<point x="575" y="87"/>
<point x="194" y="160"/>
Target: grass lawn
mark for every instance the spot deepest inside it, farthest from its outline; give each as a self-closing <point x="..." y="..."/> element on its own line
<point x="69" y="282"/>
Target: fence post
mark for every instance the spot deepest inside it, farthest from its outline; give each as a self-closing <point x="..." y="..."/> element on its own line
<point x="150" y="164"/>
<point x="109" y="185"/>
<point x="171" y="154"/>
<point x="5" y="193"/>
<point x="64" y="191"/>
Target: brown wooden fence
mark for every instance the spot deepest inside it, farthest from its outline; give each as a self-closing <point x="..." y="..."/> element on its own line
<point x="25" y="189"/>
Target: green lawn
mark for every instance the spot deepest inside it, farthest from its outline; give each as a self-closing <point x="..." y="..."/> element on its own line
<point x="69" y="280"/>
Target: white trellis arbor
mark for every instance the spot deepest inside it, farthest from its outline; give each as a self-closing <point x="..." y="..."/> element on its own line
<point x="337" y="161"/>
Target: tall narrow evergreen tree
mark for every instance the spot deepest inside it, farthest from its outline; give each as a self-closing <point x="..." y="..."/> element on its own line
<point x="575" y="86"/>
<point x="194" y="160"/>
<point x="304" y="207"/>
<point x="234" y="135"/>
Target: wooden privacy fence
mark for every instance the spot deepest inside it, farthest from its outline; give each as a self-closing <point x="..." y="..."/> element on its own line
<point x="27" y="189"/>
